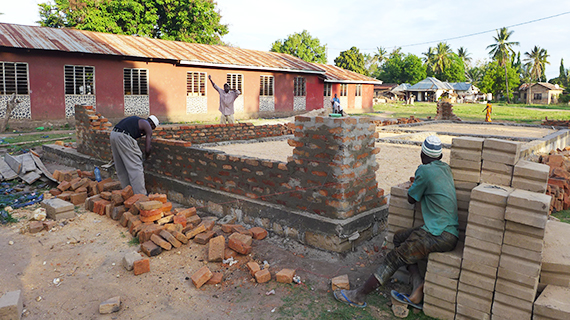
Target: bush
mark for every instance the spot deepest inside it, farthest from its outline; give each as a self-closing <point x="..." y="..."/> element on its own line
<point x="564" y="98"/>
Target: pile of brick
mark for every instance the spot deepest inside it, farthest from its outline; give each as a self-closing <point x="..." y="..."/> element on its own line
<point x="556" y="123"/>
<point x="390" y="122"/>
<point x="496" y="267"/>
<point x="76" y="185"/>
<point x="445" y="112"/>
<point x="559" y="178"/>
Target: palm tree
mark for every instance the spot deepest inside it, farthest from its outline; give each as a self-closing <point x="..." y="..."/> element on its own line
<point x="429" y="58"/>
<point x="380" y="55"/>
<point x="442" y="57"/>
<point x="500" y="51"/>
<point x="536" y="64"/>
<point x="464" y="55"/>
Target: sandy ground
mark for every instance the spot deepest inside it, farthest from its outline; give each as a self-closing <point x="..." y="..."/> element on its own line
<point x="495" y="130"/>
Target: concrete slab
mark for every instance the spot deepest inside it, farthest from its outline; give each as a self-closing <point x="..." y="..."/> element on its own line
<point x="523" y="241"/>
<point x="489" y="210"/>
<point x="477" y="280"/>
<point x="499" y="156"/>
<point x="443" y="270"/>
<point x="482" y="257"/>
<point x="503" y="310"/>
<point x="441" y="292"/>
<point x="452" y="258"/>
<point x="532" y="201"/>
<point x="467" y="288"/>
<point x="467" y="143"/>
<point x="467" y="313"/>
<point x="442" y="281"/>
<point x="496" y="178"/>
<point x="522" y="253"/>
<point x="497" y="167"/>
<point x="556" y="252"/>
<point x="437" y="312"/>
<point x="11" y="305"/>
<point x="58" y="209"/>
<point x="465" y="154"/>
<point x="479" y="268"/>
<point x="525" y="229"/>
<point x="553" y="302"/>
<point x="528" y="184"/>
<point x="511" y="288"/>
<point x="465" y="164"/>
<point x="483" y="233"/>
<point x="474" y="302"/>
<point x="446" y="305"/>
<point x="531" y="170"/>
<point x="520" y="278"/>
<point x="519" y="265"/>
<point x="466" y="175"/>
<point x="502" y="145"/>
<point x="491" y="194"/>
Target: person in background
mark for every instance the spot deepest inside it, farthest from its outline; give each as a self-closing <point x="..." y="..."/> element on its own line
<point x="227" y="98"/>
<point x="489" y="109"/>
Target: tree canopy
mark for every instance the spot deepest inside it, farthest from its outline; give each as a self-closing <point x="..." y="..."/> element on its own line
<point x="494" y="79"/>
<point x="400" y="68"/>
<point x="181" y="20"/>
<point x="303" y="46"/>
<point x="501" y="51"/>
<point x="352" y="60"/>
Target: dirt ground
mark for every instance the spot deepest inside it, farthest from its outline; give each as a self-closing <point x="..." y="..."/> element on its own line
<point x="490" y="129"/>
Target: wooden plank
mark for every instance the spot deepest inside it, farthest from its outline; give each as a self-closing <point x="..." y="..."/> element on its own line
<point x="6" y="171"/>
<point x="43" y="168"/>
<point x="13" y="162"/>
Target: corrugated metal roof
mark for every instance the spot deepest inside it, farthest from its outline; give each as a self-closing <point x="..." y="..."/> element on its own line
<point x="401" y="88"/>
<point x="547" y="85"/>
<point x="340" y="75"/>
<point x="79" y="41"/>
<point x="461" y="86"/>
<point x="430" y="84"/>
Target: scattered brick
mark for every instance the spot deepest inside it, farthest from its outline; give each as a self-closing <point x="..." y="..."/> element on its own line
<point x="150" y="205"/>
<point x="110" y="305"/>
<point x="227" y="228"/>
<point x="64" y="195"/>
<point x="81" y="189"/>
<point x="258" y="233"/>
<point x="36" y="226"/>
<point x="116" y="198"/>
<point x="89" y="202"/>
<point x="158" y="197"/>
<point x="216" y="249"/>
<point x="209" y="224"/>
<point x="99" y="206"/>
<point x="106" y="195"/>
<point x="179" y="236"/>
<point x="186" y="212"/>
<point x="253" y="267"/>
<point x="78" y="198"/>
<point x="192" y="233"/>
<point x="118" y="212"/>
<point x="201" y="276"/>
<point x="173" y="227"/>
<point x="150" y="249"/>
<point x="216" y="278"/>
<point x="193" y="220"/>
<point x="166" y="207"/>
<point x="262" y="276"/>
<point x="141" y="266"/>
<point x="113" y="185"/>
<point x="229" y="253"/>
<point x="102" y="182"/>
<point x="64" y="185"/>
<point x="241" y="229"/>
<point x="79" y="183"/>
<point x="130" y="258"/>
<point x="130" y="201"/>
<point x="170" y="238"/>
<point x="151" y="218"/>
<point x="204" y="237"/>
<point x="124" y="220"/>
<point x="56" y="175"/>
<point x="55" y="192"/>
<point x="241" y="243"/>
<point x="160" y="242"/>
<point x="165" y="220"/>
<point x="127" y="192"/>
<point x="340" y="282"/>
<point x="285" y="275"/>
<point x="147" y="231"/>
<point x="180" y="219"/>
<point x="134" y="222"/>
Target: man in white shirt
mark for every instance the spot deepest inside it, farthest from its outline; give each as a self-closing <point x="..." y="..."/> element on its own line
<point x="227" y="98"/>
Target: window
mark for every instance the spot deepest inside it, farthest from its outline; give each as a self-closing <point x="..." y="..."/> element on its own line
<point x="235" y="81"/>
<point x="135" y="81"/>
<point x="343" y="90"/>
<point x="266" y="86"/>
<point x="79" y="80"/>
<point x="328" y="89"/>
<point x="358" y="92"/>
<point x="13" y="78"/>
<point x="299" y="87"/>
<point x="196" y="84"/>
<point x="537" y="96"/>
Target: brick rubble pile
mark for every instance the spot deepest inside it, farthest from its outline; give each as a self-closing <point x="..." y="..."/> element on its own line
<point x="445" y="111"/>
<point x="559" y="178"/>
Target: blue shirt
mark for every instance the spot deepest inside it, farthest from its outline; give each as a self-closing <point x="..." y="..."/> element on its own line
<point x="433" y="187"/>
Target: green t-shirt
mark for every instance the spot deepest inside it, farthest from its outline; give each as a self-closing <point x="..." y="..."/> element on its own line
<point x="433" y="187"/>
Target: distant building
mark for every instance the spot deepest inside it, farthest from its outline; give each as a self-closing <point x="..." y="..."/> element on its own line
<point x="429" y="89"/>
<point x="541" y="93"/>
<point x="52" y="69"/>
<point x="466" y="92"/>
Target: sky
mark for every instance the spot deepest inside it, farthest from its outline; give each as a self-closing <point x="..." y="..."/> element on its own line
<point x="413" y="25"/>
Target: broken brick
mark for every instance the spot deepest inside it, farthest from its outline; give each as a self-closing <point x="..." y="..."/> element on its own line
<point x="124" y="220"/>
<point x="340" y="282"/>
<point x="55" y="192"/>
<point x="116" y="197"/>
<point x="186" y="212"/>
<point x="258" y="233"/>
<point x="262" y="276"/>
<point x="179" y="236"/>
<point x="81" y="189"/>
<point x="240" y="243"/>
<point x="106" y="195"/>
<point x="180" y="219"/>
<point x="192" y="233"/>
<point x="79" y="183"/>
<point x="141" y="266"/>
<point x="170" y="238"/>
<point x="285" y="275"/>
<point x="130" y="201"/>
<point x="118" y="212"/>
<point x="78" y="198"/>
<point x="209" y="224"/>
<point x="36" y="226"/>
<point x="150" y="249"/>
<point x="241" y="229"/>
<point x="201" y="276"/>
<point x="159" y="241"/>
<point x="216" y="249"/>
<point x="133" y="223"/>
<point x="64" y="196"/>
<point x="158" y="197"/>
<point x="127" y="192"/>
<point x="99" y="206"/>
<point x="227" y="228"/>
<point x="253" y="267"/>
<point x="147" y="231"/>
<point x="90" y="202"/>
<point x="64" y="185"/>
<point x="229" y="253"/>
<point x="216" y="278"/>
<point x="193" y="220"/>
<point x="204" y="237"/>
<point x="150" y="205"/>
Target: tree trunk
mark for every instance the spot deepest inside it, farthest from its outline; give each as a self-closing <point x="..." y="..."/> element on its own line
<point x="529" y="93"/>
<point x="507" y="84"/>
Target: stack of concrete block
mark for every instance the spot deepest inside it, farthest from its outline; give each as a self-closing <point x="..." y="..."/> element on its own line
<point x="556" y="255"/>
<point x="519" y="268"/>
<point x="465" y="163"/>
<point x="11" y="305"/>
<point x="483" y="241"/>
<point x="418" y="216"/>
<point x="441" y="281"/>
<point x="553" y="304"/>
<point x="530" y="176"/>
<point x="400" y="211"/>
<point x="499" y="158"/>
<point x="57" y="209"/>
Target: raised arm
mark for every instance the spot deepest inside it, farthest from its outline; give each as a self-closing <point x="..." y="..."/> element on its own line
<point x="213" y="84"/>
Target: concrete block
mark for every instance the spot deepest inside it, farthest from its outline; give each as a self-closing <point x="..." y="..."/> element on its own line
<point x="340" y="282"/>
<point x="556" y="247"/>
<point x="485" y="221"/>
<point x="401" y="203"/>
<point x="443" y="270"/>
<point x="492" y="194"/>
<point x="130" y="258"/>
<point x="554" y="278"/>
<point x="531" y="170"/>
<point x="477" y="280"/>
<point x="522" y="253"/>
<point x="11" y="305"/>
<point x="58" y="209"/>
<point x="466" y="175"/>
<point x="520" y="278"/>
<point x="408" y="213"/>
<point x="503" y="310"/>
<point x="530" y="231"/>
<point x="400" y="190"/>
<point x="483" y="245"/>
<point x="467" y="143"/>
<point x="519" y="265"/>
<point x="502" y="145"/>
<point x="400" y="221"/>
<point x="110" y="305"/>
<point x="450" y="258"/>
<point x="442" y="281"/>
<point x="497" y="167"/>
<point x="483" y="233"/>
<point x="467" y="313"/>
<point x="437" y="312"/>
<point x="465" y="164"/>
<point x="530" y="185"/>
<point x="489" y="210"/>
<point x="465" y="154"/>
<point x="499" y="156"/>
<point x="441" y="292"/>
<point x="479" y="268"/>
<point x="469" y="289"/>
<point x="446" y="305"/>
<point x="496" y="178"/>
<point x="523" y="241"/>
<point x="553" y="302"/>
<point x="474" y="302"/>
<point x="511" y="288"/>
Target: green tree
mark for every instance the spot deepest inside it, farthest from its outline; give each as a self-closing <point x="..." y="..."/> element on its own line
<point x="352" y="60"/>
<point x="454" y="71"/>
<point x="302" y="46"/>
<point x="181" y="20"/>
<point x="401" y="68"/>
<point x="536" y="63"/>
<point x="501" y="50"/>
<point x="442" y="57"/>
<point x="494" y="79"/>
<point x="429" y="59"/>
<point x="563" y="76"/>
<point x="464" y="55"/>
<point x="475" y="75"/>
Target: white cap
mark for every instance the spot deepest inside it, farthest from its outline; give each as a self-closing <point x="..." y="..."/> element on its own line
<point x="154" y="120"/>
<point x="431" y="147"/>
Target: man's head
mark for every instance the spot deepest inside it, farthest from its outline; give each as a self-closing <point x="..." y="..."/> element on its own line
<point x="431" y="149"/>
<point x="226" y="87"/>
<point x="153" y="120"/>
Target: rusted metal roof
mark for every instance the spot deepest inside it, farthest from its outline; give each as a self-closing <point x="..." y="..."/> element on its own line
<point x="87" y="42"/>
<point x="548" y="86"/>
<point x="340" y="75"/>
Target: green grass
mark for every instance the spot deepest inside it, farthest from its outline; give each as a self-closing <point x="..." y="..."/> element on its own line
<point x="563" y="215"/>
<point x="134" y="241"/>
<point x="474" y="112"/>
<point x="303" y="303"/>
<point x="34" y="137"/>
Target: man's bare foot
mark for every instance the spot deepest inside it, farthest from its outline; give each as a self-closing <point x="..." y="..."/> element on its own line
<point x="417" y="295"/>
